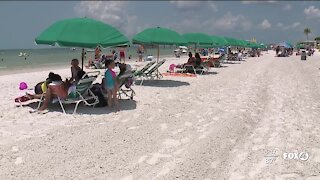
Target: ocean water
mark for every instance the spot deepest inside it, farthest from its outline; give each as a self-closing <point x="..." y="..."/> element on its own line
<point x="53" y="57"/>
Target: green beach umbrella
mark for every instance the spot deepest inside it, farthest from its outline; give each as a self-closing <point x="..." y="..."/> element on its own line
<point x="232" y="41"/>
<point x="158" y="36"/>
<point x="81" y="32"/>
<point x="300" y="46"/>
<point x="197" y="39"/>
<point x="249" y="44"/>
<point x="219" y="41"/>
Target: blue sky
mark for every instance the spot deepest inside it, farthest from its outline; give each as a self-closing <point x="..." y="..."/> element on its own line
<point x="268" y="21"/>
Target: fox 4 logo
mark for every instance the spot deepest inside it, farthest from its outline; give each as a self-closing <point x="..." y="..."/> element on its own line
<point x="303" y="156"/>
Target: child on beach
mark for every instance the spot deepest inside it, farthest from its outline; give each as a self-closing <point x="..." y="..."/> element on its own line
<point x="111" y="84"/>
<point x="74" y="68"/>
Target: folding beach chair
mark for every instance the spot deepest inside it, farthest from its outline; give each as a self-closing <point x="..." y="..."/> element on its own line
<point x="83" y="93"/>
<point x="220" y="61"/>
<point x="153" y="72"/>
<point x="202" y="68"/>
<point x="140" y="72"/>
<point x="125" y="89"/>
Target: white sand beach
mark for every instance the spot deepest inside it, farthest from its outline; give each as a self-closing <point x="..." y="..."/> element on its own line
<point x="216" y="126"/>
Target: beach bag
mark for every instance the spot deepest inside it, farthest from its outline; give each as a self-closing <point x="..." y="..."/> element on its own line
<point x="102" y="101"/>
<point x="96" y="90"/>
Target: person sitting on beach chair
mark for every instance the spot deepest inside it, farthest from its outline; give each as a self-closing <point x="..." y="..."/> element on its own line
<point x="125" y="81"/>
<point x="74" y="68"/>
<point x="191" y="61"/>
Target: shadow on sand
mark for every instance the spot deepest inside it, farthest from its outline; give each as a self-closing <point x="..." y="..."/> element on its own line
<point x="210" y="73"/>
<point x="163" y="83"/>
<point x="125" y="104"/>
<point x="233" y="62"/>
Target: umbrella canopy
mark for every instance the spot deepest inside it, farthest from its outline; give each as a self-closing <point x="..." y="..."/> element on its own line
<point x="233" y="42"/>
<point x="219" y="41"/>
<point x="285" y="44"/>
<point x="249" y="44"/>
<point x="300" y="46"/>
<point x="198" y="39"/>
<point x="81" y="32"/>
<point x="159" y="36"/>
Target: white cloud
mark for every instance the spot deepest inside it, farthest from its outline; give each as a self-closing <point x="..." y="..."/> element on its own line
<point x="111" y="12"/>
<point x="185" y="25"/>
<point x="228" y="22"/>
<point x="254" y="2"/>
<point x="312" y="12"/>
<point x="232" y="22"/>
<point x="191" y="5"/>
<point x="287" y="7"/>
<point x="293" y="26"/>
<point x="265" y="24"/>
<point x="279" y="24"/>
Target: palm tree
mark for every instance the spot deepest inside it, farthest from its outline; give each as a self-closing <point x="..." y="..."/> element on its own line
<point x="307" y="31"/>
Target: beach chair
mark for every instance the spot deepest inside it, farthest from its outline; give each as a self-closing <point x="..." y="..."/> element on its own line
<point x="220" y="61"/>
<point x="141" y="72"/>
<point x="201" y="69"/>
<point x="125" y="89"/>
<point x="153" y="72"/>
<point x="83" y="93"/>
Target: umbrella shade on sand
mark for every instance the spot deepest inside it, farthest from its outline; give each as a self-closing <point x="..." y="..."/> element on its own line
<point x="82" y="33"/>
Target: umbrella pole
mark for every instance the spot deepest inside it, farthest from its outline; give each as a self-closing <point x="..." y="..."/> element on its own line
<point x="158" y="54"/>
<point x="82" y="57"/>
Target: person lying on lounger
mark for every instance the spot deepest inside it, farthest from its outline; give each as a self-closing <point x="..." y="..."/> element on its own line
<point x="39" y="89"/>
<point x="58" y="88"/>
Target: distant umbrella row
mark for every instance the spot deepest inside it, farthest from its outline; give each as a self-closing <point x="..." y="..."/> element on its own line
<point x="90" y="33"/>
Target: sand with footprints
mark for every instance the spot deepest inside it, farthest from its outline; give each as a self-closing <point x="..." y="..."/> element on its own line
<point x="221" y="125"/>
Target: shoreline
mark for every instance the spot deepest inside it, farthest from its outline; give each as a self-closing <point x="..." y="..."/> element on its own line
<point x="58" y="66"/>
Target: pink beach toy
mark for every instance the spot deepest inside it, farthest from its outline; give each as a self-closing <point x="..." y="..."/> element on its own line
<point x="171" y="67"/>
<point x="23" y="86"/>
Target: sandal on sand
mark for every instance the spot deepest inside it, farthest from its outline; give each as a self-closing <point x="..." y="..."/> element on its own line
<point x="39" y="112"/>
<point x="43" y="112"/>
<point x="33" y="111"/>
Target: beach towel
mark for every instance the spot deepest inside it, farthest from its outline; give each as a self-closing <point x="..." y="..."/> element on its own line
<point x="179" y="74"/>
<point x="22" y="99"/>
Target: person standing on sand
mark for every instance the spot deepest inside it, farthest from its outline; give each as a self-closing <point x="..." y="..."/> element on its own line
<point x="97" y="52"/>
<point x="140" y="52"/>
<point x="122" y="55"/>
<point x="111" y="84"/>
<point x="277" y="50"/>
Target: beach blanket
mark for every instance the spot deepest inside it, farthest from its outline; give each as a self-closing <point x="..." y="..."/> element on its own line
<point x="179" y="74"/>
